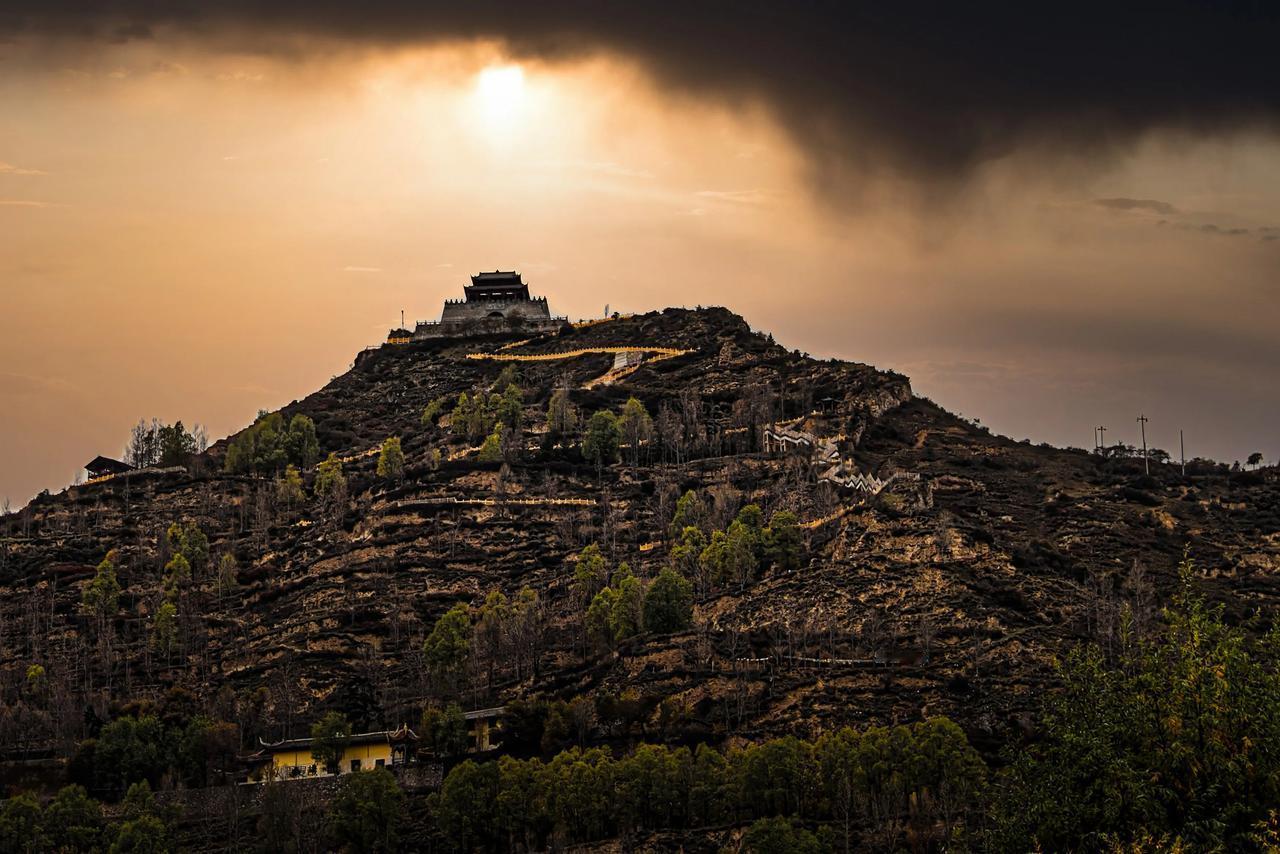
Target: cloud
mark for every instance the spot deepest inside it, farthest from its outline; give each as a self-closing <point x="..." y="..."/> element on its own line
<point x="615" y="169"/>
<point x="27" y="203"/>
<point x="353" y="269"/>
<point x="927" y="91"/>
<point x="1212" y="228"/>
<point x="10" y="169"/>
<point x="1151" y="205"/>
<point x="737" y="197"/>
<point x="1172" y="217"/>
<point x="27" y="385"/>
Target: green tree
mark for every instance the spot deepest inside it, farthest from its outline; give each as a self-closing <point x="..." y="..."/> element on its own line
<point x="742" y="545"/>
<point x="507" y="377"/>
<point x="226" y="582"/>
<point x="511" y="408"/>
<point x="143" y="835"/>
<point x="689" y="512"/>
<point x="431" y="414"/>
<point x="73" y="820"/>
<point x="445" y="730"/>
<point x="447" y="647"/>
<point x="138" y="800"/>
<point x="129" y="750"/>
<point x="779" y="835"/>
<point x="188" y="540"/>
<point x="22" y="825"/>
<point x="713" y="563"/>
<point x="462" y="807"/>
<point x="37" y="680"/>
<point x="331" y="483"/>
<point x="636" y="428"/>
<point x="599" y="616"/>
<point x="491" y="629"/>
<point x="783" y="541"/>
<point x="600" y="444"/>
<point x="685" y="553"/>
<point x="301" y="445"/>
<point x="164" y="629"/>
<point x="365" y="816"/>
<point x="460" y="417"/>
<point x="589" y="573"/>
<point x="289" y="487"/>
<point x="668" y="603"/>
<point x="518" y="806"/>
<point x="777" y="777"/>
<point x="562" y="416"/>
<point x="262" y="448"/>
<point x="482" y="416"/>
<point x="1255" y="459"/>
<point x="708" y="788"/>
<point x="101" y="597"/>
<point x="329" y="738"/>
<point x="177" y="446"/>
<point x="268" y="445"/>
<point x="628" y="603"/>
<point x="491" y="448"/>
<point x="177" y="575"/>
<point x="1172" y="740"/>
<point x="391" y="460"/>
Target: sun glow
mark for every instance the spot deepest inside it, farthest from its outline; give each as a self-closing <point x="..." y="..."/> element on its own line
<point x="499" y="96"/>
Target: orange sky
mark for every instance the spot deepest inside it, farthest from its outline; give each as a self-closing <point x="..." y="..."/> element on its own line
<point x="198" y="234"/>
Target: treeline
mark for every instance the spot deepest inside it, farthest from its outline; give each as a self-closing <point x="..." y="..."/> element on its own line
<point x="1170" y="743"/>
<point x="496" y="417"/>
<point x="875" y="786"/>
<point x="269" y="445"/>
<point x="155" y="443"/>
<point x="736" y="555"/>
<point x="72" y="821"/>
<point x="626" y="605"/>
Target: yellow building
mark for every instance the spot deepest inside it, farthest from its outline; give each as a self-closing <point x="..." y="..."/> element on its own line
<point x="291" y="758"/>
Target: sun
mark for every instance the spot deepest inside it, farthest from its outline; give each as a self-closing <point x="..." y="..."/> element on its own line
<point x="499" y="95"/>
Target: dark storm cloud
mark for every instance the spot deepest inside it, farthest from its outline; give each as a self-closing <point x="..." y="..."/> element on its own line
<point x="1151" y="205"/>
<point x="926" y="90"/>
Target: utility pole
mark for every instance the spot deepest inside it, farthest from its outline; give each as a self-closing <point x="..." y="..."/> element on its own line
<point x="1102" y="438"/>
<point x="402" y="318"/>
<point x="1182" y="446"/>
<point x="1146" y="461"/>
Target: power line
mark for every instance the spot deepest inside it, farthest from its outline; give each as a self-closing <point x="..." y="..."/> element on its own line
<point x="1146" y="461"/>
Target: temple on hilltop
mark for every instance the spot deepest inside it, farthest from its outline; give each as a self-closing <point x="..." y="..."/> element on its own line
<point x="493" y="303"/>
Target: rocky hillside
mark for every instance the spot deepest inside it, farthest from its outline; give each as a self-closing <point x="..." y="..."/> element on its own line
<point x="949" y="592"/>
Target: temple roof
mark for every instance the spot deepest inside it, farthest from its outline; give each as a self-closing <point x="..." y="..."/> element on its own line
<point x="497" y="285"/>
<point x="106" y="465"/>
<point x="380" y="737"/>
<point x="498" y="278"/>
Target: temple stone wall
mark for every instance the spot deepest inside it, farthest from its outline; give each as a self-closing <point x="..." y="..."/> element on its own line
<point x="484" y="317"/>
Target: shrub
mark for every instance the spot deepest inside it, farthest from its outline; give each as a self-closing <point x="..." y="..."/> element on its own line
<point x="365" y="816"/>
<point x="668" y="603"/>
<point x="600" y="444"/>
<point x="330" y="736"/>
<point x="391" y="460"/>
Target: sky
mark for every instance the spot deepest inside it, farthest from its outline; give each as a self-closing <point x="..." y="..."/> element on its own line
<point x="1047" y="224"/>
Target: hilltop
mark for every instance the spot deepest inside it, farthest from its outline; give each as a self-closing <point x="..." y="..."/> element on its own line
<point x="949" y="587"/>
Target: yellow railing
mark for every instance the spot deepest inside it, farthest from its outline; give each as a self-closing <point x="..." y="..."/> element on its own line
<point x="583" y="324"/>
<point x="660" y="352"/>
